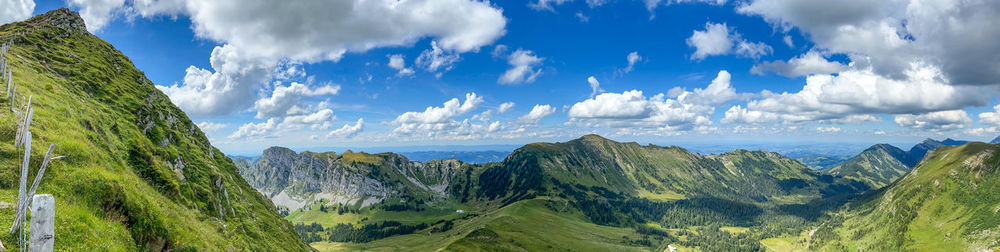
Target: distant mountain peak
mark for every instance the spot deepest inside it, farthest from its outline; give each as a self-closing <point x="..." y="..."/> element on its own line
<point x="995" y="140"/>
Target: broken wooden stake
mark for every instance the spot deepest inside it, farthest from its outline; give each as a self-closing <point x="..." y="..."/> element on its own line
<point x="24" y="180"/>
<point x="34" y="186"/>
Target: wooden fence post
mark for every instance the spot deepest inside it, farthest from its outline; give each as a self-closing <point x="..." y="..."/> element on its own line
<point x="43" y="218"/>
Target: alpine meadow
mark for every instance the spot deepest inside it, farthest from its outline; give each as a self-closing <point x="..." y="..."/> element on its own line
<point x="478" y="125"/>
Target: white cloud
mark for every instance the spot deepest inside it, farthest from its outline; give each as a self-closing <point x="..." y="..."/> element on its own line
<point x="632" y="58"/>
<point x="96" y="13"/>
<point x="537" y="113"/>
<point x="752" y="49"/>
<point x="443" y="123"/>
<point x="827" y="129"/>
<point x="788" y="41"/>
<point x="595" y="86"/>
<point x="714" y="40"/>
<point x="991" y="118"/>
<point x="859" y="92"/>
<point x="256" y="129"/>
<point x="718" y="39"/>
<point x="989" y="131"/>
<point x="956" y="37"/>
<point x="633" y="109"/>
<point x="284" y="99"/>
<point x="505" y="106"/>
<point x="398" y="62"/>
<point x="348" y="131"/>
<point x="437" y="115"/>
<point x="546" y="4"/>
<point x="15" y="10"/>
<point x="257" y="35"/>
<point x="522" y="68"/>
<point x="582" y="18"/>
<point x="319" y="120"/>
<point x="435" y="59"/>
<point x="231" y="87"/>
<point x="499" y="51"/>
<point x="935" y="121"/>
<point x="652" y="4"/>
<point x="718" y="92"/>
<point x="810" y="63"/>
<point x="211" y="126"/>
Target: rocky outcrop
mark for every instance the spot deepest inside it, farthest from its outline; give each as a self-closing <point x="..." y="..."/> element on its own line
<point x="294" y="180"/>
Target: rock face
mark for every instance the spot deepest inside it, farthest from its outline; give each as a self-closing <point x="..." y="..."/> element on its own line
<point x="293" y="180"/>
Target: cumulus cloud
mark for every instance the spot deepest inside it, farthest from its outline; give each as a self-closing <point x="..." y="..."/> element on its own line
<point x="678" y="110"/>
<point x="15" y="10"/>
<point x="991" y="118"/>
<point x="855" y="93"/>
<point x="319" y="120"/>
<point x="284" y="99"/>
<point x="97" y="13"/>
<point x="258" y="35"/>
<point x="231" y="87"/>
<point x="633" y="109"/>
<point x="956" y="37"/>
<point x="451" y="122"/>
<point x="935" y="121"/>
<point x="595" y="86"/>
<point x="437" y="115"/>
<point x="537" y="113"/>
<point x="523" y="64"/>
<point x="397" y="61"/>
<point x="827" y="129"/>
<point x="810" y="63"/>
<point x="435" y="59"/>
<point x="718" y="39"/>
<point x="505" y="106"/>
<point x="348" y="131"/>
<point x="211" y="126"/>
<point x="718" y="92"/>
<point x="714" y="40"/>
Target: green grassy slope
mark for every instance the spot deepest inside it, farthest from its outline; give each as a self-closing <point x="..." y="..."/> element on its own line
<point x="529" y="225"/>
<point x="138" y="174"/>
<point x="949" y="202"/>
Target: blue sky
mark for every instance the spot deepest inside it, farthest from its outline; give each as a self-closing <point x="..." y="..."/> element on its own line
<point x="303" y="75"/>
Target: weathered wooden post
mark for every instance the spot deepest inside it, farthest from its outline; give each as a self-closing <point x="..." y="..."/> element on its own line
<point x="43" y="218"/>
<point x="22" y="189"/>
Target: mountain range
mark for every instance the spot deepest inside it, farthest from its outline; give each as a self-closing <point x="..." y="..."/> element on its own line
<point x="614" y="196"/>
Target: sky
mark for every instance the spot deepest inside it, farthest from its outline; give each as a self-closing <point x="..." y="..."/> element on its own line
<point x="391" y="73"/>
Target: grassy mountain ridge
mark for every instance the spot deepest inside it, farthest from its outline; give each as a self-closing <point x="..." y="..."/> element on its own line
<point x="642" y="171"/>
<point x="948" y="202"/>
<point x="138" y="174"/>
<point x="878" y="165"/>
